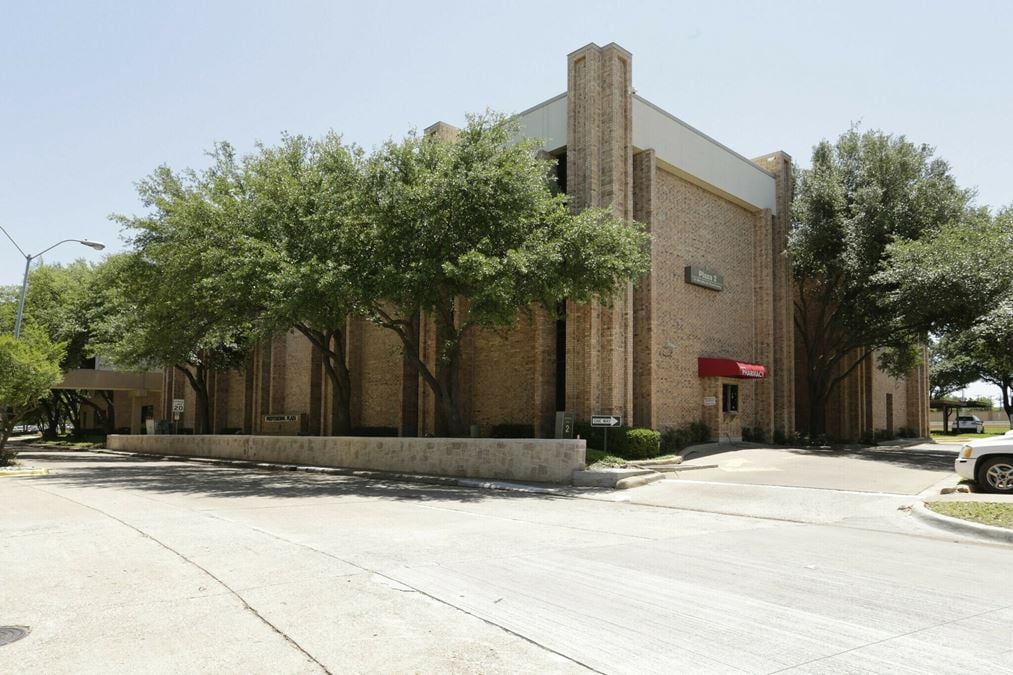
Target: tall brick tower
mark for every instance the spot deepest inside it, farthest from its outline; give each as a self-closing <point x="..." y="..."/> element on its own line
<point x="599" y="339"/>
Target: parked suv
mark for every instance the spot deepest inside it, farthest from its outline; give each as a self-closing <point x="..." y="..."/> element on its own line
<point x="989" y="463"/>
<point x="968" y="423"/>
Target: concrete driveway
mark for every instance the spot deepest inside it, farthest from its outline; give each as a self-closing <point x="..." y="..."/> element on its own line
<point x="868" y="487"/>
<point x="885" y="469"/>
<point x="124" y="565"/>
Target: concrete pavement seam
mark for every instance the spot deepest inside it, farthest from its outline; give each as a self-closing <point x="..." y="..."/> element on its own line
<point x="497" y="485"/>
<point x="893" y="637"/>
<point x="413" y="588"/>
<point x="224" y="585"/>
<point x="960" y="526"/>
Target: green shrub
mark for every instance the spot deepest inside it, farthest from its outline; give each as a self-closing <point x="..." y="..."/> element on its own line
<point x="676" y="438"/>
<point x="754" y="434"/>
<point x="780" y="438"/>
<point x="641" y="443"/>
<point x="625" y="442"/>
<point x="885" y="435"/>
<point x="512" y="431"/>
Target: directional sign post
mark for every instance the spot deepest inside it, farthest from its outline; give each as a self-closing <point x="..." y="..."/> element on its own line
<point x="606" y="421"/>
<point x="177" y="412"/>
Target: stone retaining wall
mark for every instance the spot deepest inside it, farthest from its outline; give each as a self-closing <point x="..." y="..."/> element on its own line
<point x="540" y="460"/>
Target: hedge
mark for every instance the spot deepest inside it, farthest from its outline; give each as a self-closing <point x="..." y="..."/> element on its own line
<point x="675" y="439"/>
<point x="625" y="442"/>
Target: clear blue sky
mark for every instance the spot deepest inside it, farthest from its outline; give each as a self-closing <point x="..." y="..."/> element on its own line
<point x="94" y="95"/>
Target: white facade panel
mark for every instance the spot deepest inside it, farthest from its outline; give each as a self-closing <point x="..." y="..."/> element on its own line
<point x="701" y="158"/>
<point x="546" y="121"/>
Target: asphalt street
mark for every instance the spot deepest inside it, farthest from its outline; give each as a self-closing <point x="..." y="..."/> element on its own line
<point x="125" y="565"/>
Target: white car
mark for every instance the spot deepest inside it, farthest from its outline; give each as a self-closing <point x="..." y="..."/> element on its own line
<point x="968" y="423"/>
<point x="989" y="463"/>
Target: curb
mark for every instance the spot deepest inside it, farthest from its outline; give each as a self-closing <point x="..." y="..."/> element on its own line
<point x="27" y="472"/>
<point x="961" y="526"/>
<point x="637" y="481"/>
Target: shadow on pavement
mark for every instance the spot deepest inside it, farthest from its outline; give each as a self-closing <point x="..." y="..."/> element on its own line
<point x="908" y="458"/>
<point x="174" y="477"/>
<point x="904" y="457"/>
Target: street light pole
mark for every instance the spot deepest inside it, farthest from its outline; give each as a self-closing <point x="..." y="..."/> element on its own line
<point x="97" y="245"/>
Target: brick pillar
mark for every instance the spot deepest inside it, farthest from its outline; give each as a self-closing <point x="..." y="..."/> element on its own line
<point x="277" y="373"/>
<point x="782" y="364"/>
<point x="315" y="416"/>
<point x="353" y="356"/>
<point x="410" y="390"/>
<point x="763" y="325"/>
<point x="600" y="174"/>
<point x="644" y="192"/>
<point x="543" y="376"/>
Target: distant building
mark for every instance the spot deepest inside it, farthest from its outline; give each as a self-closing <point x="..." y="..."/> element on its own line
<point x="707" y="335"/>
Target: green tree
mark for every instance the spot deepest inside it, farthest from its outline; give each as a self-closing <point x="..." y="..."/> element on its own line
<point x="178" y="300"/>
<point x="958" y="281"/>
<point x="29" y="368"/>
<point x="469" y="232"/>
<point x="59" y="302"/>
<point x="301" y="199"/>
<point x="861" y="193"/>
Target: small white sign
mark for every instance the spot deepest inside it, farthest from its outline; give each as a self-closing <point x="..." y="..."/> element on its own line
<point x="177" y="405"/>
<point x="710" y="400"/>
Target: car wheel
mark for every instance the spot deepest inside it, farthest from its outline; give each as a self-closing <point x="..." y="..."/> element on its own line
<point x="996" y="475"/>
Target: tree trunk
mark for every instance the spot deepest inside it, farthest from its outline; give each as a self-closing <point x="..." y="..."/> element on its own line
<point x="818" y="397"/>
<point x="199" y="384"/>
<point x="51" y="409"/>
<point x="110" y="400"/>
<point x="331" y="345"/>
<point x="1007" y="401"/>
<point x="341" y="400"/>
<point x="448" y="394"/>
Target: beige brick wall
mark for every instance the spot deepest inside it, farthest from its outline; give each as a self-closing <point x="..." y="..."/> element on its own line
<point x="298" y="355"/>
<point x="376" y="400"/>
<point x="507" y="373"/>
<point x="694" y="227"/>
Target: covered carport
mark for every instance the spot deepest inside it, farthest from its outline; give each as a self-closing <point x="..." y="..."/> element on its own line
<point x="132" y="397"/>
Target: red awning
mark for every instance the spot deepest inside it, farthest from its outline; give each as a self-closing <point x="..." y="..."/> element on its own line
<point x="729" y="368"/>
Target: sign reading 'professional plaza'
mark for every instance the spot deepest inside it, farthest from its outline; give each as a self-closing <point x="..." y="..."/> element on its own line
<point x="700" y="276"/>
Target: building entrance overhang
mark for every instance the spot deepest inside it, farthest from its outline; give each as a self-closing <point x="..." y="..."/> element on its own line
<point x="711" y="367"/>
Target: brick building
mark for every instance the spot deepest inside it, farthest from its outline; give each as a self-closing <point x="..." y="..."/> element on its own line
<point x="706" y="335"/>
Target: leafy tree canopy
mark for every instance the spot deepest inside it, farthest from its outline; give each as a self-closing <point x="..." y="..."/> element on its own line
<point x="470" y="232"/>
<point x="29" y="368"/>
<point x="861" y="193"/>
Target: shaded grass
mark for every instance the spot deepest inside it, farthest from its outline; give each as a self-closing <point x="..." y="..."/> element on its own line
<point x="600" y="458"/>
<point x="941" y="437"/>
<point x="987" y="513"/>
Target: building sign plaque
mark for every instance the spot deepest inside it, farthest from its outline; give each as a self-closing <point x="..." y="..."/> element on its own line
<point x="700" y="276"/>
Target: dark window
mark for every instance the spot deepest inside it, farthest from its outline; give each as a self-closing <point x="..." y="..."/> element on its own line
<point x="561" y="356"/>
<point x="729" y="398"/>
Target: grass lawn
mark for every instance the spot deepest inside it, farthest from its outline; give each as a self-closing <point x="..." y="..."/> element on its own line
<point x="989" y="513"/>
<point x="599" y="457"/>
<point x="940" y="437"/>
